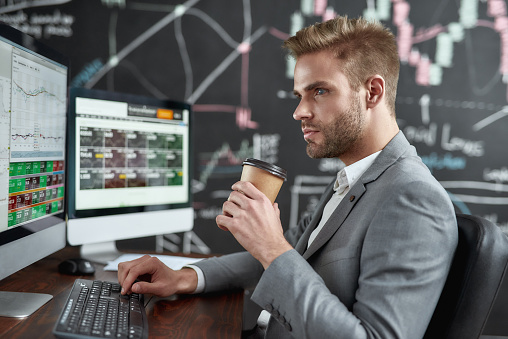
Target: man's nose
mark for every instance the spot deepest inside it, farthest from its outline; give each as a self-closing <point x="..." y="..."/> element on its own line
<point x="302" y="111"/>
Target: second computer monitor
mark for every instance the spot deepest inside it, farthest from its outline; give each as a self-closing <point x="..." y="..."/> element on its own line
<point x="130" y="171"/>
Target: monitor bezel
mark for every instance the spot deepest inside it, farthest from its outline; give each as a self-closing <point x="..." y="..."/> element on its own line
<point x="42" y="236"/>
<point x="81" y="92"/>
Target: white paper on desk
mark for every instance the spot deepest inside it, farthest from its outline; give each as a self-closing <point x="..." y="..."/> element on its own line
<point x="173" y="262"/>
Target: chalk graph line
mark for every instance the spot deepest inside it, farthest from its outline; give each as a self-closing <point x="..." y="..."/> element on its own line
<point x="133" y="45"/>
<point x="479" y="185"/>
<point x="129" y="65"/>
<point x="222" y="66"/>
<point x="242" y="48"/>
<point x="491" y="119"/>
<point x="461" y="199"/>
<point x="117" y="57"/>
<point x="182" y="45"/>
<point x="482" y="200"/>
<point x="187" y="66"/>
<point x="472" y="71"/>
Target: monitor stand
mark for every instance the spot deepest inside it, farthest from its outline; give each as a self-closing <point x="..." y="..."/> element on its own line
<point x="21" y="304"/>
<point x="100" y="252"/>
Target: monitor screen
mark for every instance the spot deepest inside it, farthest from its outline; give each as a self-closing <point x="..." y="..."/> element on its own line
<point x="129" y="167"/>
<point x="33" y="114"/>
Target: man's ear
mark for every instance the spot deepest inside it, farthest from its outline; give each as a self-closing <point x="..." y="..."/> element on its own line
<point x="375" y="86"/>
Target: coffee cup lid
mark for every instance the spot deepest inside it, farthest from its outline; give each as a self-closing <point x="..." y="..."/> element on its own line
<point x="274" y="169"/>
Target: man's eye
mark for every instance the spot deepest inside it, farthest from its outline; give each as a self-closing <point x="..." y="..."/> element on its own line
<point x="320" y="91"/>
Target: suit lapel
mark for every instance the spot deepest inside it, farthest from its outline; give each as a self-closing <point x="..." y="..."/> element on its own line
<point x="301" y="246"/>
<point x="336" y="219"/>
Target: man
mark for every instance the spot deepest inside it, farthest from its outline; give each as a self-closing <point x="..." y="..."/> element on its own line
<point x="373" y="258"/>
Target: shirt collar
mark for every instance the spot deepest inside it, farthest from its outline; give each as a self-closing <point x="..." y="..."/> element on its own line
<point x="349" y="175"/>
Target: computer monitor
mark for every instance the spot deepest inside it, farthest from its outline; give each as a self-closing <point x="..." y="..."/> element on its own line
<point x="130" y="169"/>
<point x="33" y="113"/>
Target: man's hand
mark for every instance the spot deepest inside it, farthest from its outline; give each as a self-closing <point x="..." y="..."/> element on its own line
<point x="254" y="222"/>
<point x="154" y="277"/>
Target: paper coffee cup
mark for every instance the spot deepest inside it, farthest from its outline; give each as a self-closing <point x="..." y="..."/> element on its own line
<point x="267" y="178"/>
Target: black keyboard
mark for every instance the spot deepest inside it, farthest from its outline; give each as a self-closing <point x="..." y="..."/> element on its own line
<point x="96" y="309"/>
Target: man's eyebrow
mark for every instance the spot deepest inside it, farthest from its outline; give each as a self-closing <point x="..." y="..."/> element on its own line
<point x="312" y="86"/>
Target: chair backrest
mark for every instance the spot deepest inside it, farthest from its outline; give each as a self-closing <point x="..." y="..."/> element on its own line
<point x="475" y="277"/>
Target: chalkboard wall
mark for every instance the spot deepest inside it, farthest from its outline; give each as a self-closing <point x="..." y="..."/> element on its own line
<point x="224" y="57"/>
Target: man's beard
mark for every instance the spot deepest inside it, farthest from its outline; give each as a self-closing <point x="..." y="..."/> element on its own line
<point x="341" y="136"/>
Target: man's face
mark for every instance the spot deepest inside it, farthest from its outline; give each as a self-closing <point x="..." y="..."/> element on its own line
<point x="330" y="111"/>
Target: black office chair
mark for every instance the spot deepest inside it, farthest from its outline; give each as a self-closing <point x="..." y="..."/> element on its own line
<point x="475" y="277"/>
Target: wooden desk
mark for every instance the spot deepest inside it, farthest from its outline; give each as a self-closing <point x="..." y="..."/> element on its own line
<point x="207" y="316"/>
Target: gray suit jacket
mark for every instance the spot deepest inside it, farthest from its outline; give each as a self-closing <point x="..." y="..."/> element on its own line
<point x="376" y="269"/>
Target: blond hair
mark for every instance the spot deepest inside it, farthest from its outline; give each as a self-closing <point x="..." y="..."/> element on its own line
<point x="365" y="48"/>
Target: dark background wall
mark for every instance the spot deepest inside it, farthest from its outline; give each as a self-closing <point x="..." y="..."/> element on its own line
<point x="224" y="57"/>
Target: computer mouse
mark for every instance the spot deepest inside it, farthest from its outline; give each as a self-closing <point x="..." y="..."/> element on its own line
<point x="76" y="266"/>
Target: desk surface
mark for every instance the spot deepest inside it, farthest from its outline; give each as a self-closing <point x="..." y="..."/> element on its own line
<point x="206" y="316"/>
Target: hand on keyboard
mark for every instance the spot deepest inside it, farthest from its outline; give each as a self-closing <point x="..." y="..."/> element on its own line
<point x="154" y="277"/>
<point x="96" y="309"/>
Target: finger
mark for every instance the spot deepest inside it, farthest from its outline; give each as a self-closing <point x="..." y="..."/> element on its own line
<point x="248" y="190"/>
<point x="124" y="267"/>
<point x="241" y="186"/>
<point x="136" y="268"/>
<point x="143" y="287"/>
<point x="163" y="286"/>
<point x="236" y="197"/>
<point x="221" y="221"/>
<point x="230" y="207"/>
